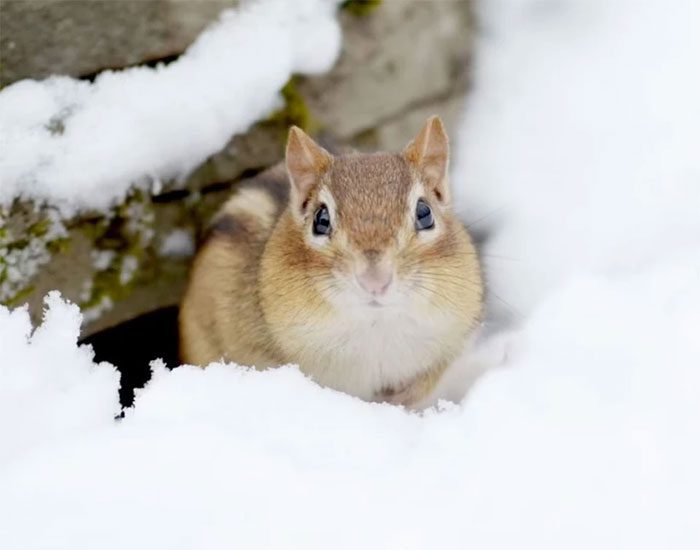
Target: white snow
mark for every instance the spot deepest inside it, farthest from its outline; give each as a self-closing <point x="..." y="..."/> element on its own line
<point x="580" y="148"/>
<point x="578" y="153"/>
<point x="179" y="243"/>
<point x="80" y="145"/>
<point x="50" y="391"/>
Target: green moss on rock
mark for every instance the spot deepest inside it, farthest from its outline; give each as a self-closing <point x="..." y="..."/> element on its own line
<point x="360" y="8"/>
<point x="28" y="239"/>
<point x="295" y="111"/>
<point x="120" y="248"/>
<point x="107" y="285"/>
<point x="39" y="228"/>
<point x="20" y="296"/>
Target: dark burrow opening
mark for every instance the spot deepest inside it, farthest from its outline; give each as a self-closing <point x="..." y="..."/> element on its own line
<point x="132" y="345"/>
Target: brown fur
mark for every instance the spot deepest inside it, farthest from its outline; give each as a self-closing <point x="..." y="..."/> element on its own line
<point x="262" y="290"/>
<point x="214" y="328"/>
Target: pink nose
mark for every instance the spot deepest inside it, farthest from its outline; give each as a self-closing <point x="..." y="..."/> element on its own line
<point x="375" y="281"/>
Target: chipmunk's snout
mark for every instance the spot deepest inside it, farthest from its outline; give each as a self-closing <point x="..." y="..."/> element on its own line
<point x="375" y="281"/>
<point x="376" y="275"/>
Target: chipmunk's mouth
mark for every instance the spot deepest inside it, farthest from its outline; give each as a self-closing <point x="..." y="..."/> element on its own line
<point x="386" y="303"/>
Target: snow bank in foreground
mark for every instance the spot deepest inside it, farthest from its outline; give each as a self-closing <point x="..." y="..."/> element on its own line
<point x="78" y="144"/>
<point x="586" y="444"/>
<point x="50" y="391"/>
<point x="577" y="137"/>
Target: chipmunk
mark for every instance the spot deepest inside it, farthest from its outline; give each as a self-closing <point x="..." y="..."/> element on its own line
<point x="353" y="267"/>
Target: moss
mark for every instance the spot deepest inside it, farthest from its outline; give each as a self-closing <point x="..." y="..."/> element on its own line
<point x="360" y="8"/>
<point x="19" y="244"/>
<point x="29" y="237"/>
<point x="39" y="228"/>
<point x="94" y="228"/>
<point x="107" y="284"/>
<point x="58" y="245"/>
<point x="295" y="111"/>
<point x="124" y="236"/>
<point x="19" y="297"/>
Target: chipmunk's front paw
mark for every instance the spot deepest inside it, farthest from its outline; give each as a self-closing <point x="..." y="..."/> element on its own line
<point x="405" y="396"/>
<point x="413" y="394"/>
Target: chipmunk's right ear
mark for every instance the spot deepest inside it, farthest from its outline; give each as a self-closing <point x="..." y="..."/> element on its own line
<point x="306" y="162"/>
<point x="429" y="153"/>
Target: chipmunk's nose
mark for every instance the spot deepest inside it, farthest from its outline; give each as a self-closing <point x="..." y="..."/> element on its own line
<point x="376" y="281"/>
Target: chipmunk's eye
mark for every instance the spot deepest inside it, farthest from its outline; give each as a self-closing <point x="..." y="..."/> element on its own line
<point x="322" y="221"/>
<point x="424" y="216"/>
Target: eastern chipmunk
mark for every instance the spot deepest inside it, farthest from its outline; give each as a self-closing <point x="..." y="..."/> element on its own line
<point x="352" y="266"/>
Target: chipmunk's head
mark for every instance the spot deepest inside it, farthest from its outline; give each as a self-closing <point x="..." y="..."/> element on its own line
<point x="378" y="229"/>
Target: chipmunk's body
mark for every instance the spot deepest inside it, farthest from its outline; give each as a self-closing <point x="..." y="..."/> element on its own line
<point x="352" y="267"/>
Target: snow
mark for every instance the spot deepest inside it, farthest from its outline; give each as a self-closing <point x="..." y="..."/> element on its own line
<point x="577" y="153"/>
<point x="179" y="243"/>
<point x="580" y="144"/>
<point x="50" y="391"/>
<point x="81" y="145"/>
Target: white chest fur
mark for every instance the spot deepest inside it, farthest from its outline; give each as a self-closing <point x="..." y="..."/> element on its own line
<point x="372" y="349"/>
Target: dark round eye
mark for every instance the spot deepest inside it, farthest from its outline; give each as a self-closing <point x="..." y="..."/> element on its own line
<point x="424" y="216"/>
<point x="322" y="221"/>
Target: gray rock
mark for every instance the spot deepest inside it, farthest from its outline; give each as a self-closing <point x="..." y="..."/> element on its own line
<point x="81" y="37"/>
<point x="404" y="56"/>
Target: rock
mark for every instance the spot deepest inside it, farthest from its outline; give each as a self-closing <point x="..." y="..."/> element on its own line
<point x="82" y="37"/>
<point x="405" y="56"/>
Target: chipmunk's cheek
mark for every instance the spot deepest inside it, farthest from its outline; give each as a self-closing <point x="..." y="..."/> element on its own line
<point x="331" y="286"/>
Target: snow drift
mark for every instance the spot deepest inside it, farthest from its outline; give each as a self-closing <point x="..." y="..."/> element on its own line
<point x="579" y="151"/>
<point x="80" y="145"/>
<point x="579" y="155"/>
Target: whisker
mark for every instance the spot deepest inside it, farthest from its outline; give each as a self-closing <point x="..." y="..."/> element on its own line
<point x="469" y="225"/>
<point x="506" y="303"/>
<point x="499" y="257"/>
<point x="440" y="295"/>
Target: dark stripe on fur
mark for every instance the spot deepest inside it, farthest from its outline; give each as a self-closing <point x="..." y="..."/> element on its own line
<point x="277" y="188"/>
<point x="239" y="228"/>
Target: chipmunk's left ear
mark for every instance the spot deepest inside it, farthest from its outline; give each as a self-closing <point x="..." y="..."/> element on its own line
<point x="429" y="153"/>
<point x="306" y="162"/>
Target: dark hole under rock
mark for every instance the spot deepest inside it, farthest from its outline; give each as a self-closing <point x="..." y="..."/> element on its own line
<point x="132" y="345"/>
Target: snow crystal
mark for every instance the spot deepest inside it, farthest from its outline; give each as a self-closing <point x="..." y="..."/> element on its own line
<point x="128" y="268"/>
<point x="82" y="145"/>
<point x="179" y="243"/>
<point x="102" y="259"/>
